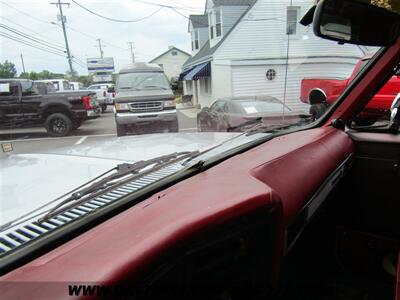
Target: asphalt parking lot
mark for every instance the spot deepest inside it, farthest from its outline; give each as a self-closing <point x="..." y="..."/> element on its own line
<point x="36" y="139"/>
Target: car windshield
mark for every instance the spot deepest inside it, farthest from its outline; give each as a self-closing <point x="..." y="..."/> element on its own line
<point x="142" y="81"/>
<point x="188" y="76"/>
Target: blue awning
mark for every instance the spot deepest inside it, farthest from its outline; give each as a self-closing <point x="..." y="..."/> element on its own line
<point x="202" y="70"/>
<point x="183" y="74"/>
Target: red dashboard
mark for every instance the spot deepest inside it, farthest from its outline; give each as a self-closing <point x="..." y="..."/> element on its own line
<point x="282" y="174"/>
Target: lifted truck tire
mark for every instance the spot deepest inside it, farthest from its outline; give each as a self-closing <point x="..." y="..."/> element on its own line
<point x="121" y="130"/>
<point x="58" y="125"/>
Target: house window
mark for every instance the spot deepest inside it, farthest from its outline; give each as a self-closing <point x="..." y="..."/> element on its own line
<point x="161" y="66"/>
<point x="218" y="26"/>
<point x="291" y="19"/>
<point x="271" y="74"/>
<point x="195" y="40"/>
<point x="211" y="22"/>
<point x="174" y="53"/>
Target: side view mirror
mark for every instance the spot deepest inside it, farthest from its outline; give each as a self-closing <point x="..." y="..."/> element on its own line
<point x="206" y="108"/>
<point x="357" y="22"/>
<point x="395" y="115"/>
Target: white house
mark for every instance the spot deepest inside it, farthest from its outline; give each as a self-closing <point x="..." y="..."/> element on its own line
<point x="258" y="47"/>
<point x="171" y="61"/>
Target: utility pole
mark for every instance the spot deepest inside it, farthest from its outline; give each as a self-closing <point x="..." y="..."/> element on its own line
<point x="132" y="53"/>
<point x="60" y="4"/>
<point x="23" y="64"/>
<point x="100" y="46"/>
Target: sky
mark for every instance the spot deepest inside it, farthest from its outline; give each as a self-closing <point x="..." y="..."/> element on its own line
<point x="151" y="36"/>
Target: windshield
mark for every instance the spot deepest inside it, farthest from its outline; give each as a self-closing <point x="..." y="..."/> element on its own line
<point x="188" y="76"/>
<point x="142" y="81"/>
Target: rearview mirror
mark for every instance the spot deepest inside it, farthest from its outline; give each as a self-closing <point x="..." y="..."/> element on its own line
<point x="358" y="22"/>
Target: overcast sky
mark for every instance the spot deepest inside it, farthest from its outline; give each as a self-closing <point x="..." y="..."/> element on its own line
<point x="151" y="36"/>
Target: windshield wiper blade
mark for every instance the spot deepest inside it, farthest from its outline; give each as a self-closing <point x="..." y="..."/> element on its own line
<point x="254" y="121"/>
<point x="131" y="171"/>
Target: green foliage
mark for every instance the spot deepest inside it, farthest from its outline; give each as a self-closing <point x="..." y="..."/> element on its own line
<point x="45" y="74"/>
<point x="86" y="80"/>
<point x="7" y="70"/>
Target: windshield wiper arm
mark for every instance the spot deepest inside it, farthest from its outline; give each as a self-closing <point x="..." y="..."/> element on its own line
<point x="122" y="170"/>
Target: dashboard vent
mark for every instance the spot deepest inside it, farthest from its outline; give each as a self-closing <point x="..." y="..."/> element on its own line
<point x="23" y="233"/>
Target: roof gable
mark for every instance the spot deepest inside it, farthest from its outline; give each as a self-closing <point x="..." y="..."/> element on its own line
<point x="198" y="21"/>
<point x="205" y="53"/>
<point x="169" y="50"/>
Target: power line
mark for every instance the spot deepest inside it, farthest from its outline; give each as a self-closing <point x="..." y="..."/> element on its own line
<point x="28" y="29"/>
<point x="117" y="20"/>
<point x="3" y="34"/>
<point x="29" y="37"/>
<point x="165" y="6"/>
<point x="24" y="13"/>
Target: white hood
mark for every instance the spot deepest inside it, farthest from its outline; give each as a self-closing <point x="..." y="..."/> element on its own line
<point x="28" y="181"/>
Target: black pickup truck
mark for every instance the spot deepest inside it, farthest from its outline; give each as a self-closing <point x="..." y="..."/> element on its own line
<point x="21" y="105"/>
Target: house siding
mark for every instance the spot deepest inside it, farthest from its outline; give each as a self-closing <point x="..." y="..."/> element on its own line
<point x="172" y="65"/>
<point x="221" y="81"/>
<point x="260" y="42"/>
<point x="230" y="15"/>
<point x="252" y="80"/>
<point x="262" y="34"/>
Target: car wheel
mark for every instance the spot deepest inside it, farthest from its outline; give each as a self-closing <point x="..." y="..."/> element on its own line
<point x="363" y="121"/>
<point x="58" y="125"/>
<point x="103" y="108"/>
<point x="121" y="130"/>
<point x="76" y="124"/>
<point x="318" y="110"/>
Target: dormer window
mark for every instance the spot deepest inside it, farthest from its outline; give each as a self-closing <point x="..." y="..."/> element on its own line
<point x="195" y="40"/>
<point x="218" y="25"/>
<point x="211" y="23"/>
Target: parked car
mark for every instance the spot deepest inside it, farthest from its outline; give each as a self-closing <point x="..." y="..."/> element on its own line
<point x="60" y="85"/>
<point x="322" y="92"/>
<point x="144" y="99"/>
<point x="103" y="96"/>
<point x="22" y="105"/>
<point x="229" y="114"/>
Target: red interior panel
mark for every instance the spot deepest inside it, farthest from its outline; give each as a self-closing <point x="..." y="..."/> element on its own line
<point x="282" y="173"/>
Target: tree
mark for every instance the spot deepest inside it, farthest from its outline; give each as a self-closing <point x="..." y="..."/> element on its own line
<point x="7" y="70"/>
<point x="86" y="80"/>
